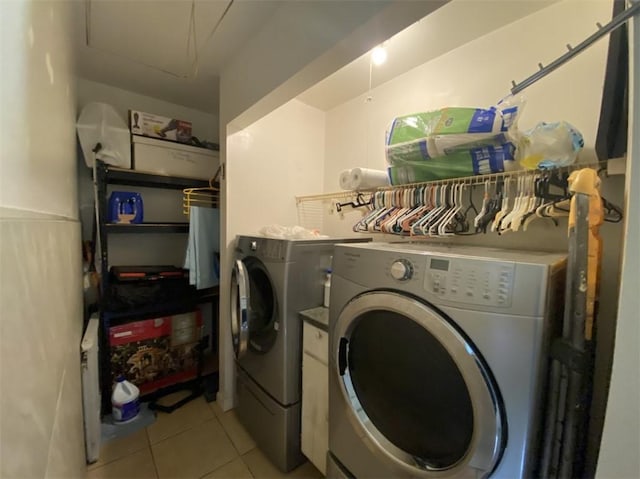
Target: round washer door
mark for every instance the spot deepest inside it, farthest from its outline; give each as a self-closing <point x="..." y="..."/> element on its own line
<point x="417" y="388"/>
<point x="253" y="308"/>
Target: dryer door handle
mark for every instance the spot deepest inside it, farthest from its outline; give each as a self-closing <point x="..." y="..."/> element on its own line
<point x="342" y="355"/>
<point x="240" y="308"/>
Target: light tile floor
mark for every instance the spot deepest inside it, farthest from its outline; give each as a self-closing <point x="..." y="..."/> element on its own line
<point x="198" y="440"/>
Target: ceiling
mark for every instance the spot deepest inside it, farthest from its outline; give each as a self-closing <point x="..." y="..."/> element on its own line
<point x="174" y="50"/>
<point x="170" y="49"/>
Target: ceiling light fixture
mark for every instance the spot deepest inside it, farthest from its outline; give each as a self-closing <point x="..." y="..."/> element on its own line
<point x="379" y="55"/>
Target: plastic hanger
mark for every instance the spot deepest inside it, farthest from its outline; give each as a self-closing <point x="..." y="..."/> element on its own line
<point x="504" y="208"/>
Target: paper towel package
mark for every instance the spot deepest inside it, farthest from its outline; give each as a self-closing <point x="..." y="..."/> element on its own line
<point x="363" y="179"/>
<point x="345" y="180"/>
<point x="366" y="178"/>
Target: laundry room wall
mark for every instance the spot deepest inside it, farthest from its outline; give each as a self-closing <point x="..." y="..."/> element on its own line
<point x="41" y="424"/>
<point x="479" y="74"/>
<point x="278" y="157"/>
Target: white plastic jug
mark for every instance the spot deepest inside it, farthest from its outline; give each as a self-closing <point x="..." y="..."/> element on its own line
<point x="124" y="401"/>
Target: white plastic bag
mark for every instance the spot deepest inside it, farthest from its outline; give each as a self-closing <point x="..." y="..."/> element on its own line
<point x="289" y="232"/>
<point x="100" y="123"/>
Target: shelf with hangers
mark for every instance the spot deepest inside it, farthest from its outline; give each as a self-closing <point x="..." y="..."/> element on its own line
<point x="469" y="180"/>
<point x="511" y="201"/>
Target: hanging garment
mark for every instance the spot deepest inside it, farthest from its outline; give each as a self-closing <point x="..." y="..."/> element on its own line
<point x="203" y="248"/>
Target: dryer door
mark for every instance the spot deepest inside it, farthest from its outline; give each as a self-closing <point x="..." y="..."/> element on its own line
<point x="417" y="389"/>
<point x="253" y="320"/>
<point x="240" y="304"/>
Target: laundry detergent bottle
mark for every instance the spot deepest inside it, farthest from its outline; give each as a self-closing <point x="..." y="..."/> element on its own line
<point x="327" y="287"/>
<point x="125" y="401"/>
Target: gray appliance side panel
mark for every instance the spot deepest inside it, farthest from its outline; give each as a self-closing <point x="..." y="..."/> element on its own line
<point x="275" y="429"/>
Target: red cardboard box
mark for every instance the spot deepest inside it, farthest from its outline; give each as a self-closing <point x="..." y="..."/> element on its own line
<point x="155" y="353"/>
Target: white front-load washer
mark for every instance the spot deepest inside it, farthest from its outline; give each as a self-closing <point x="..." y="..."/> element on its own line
<point x="438" y="359"/>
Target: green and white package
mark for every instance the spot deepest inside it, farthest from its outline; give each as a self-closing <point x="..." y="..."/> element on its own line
<point x="423" y="136"/>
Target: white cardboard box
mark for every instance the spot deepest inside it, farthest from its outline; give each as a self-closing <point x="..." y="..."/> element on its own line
<point x="173" y="159"/>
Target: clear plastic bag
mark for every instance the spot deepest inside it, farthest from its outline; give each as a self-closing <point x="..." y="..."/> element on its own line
<point x="549" y="145"/>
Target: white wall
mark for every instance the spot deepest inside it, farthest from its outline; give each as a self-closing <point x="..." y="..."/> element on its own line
<point x="619" y="456"/>
<point x="40" y="258"/>
<point x="275" y="159"/>
<point x="37" y="119"/>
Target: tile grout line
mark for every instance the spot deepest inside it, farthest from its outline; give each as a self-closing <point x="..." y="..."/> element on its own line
<point x="175" y="433"/>
<point x="153" y="456"/>
<point x="93" y="466"/>
<point x="224" y="429"/>
<point x="229" y="436"/>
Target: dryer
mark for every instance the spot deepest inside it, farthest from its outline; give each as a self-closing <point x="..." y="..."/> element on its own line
<point x="438" y="359"/>
<point x="272" y="281"/>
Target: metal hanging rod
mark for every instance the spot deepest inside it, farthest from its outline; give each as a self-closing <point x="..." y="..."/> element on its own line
<point x="616" y="22"/>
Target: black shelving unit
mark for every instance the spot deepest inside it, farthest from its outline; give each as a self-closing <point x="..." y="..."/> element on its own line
<point x="111" y="316"/>
<point x="148" y="228"/>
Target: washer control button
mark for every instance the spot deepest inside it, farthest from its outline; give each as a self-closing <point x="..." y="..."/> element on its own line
<point x="401" y="270"/>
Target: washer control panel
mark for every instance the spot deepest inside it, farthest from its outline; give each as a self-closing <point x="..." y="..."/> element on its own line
<point x="470" y="281"/>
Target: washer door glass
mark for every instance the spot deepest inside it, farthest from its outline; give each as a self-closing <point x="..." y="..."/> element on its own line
<point x="262" y="309"/>
<point x="417" y="385"/>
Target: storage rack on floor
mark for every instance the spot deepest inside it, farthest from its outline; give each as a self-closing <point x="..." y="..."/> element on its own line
<point x="109" y="175"/>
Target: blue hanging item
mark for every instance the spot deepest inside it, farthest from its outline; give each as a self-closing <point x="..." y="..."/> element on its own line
<point x="125" y="207"/>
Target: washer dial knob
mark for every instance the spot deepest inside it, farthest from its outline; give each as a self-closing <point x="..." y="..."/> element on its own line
<point x="401" y="270"/>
